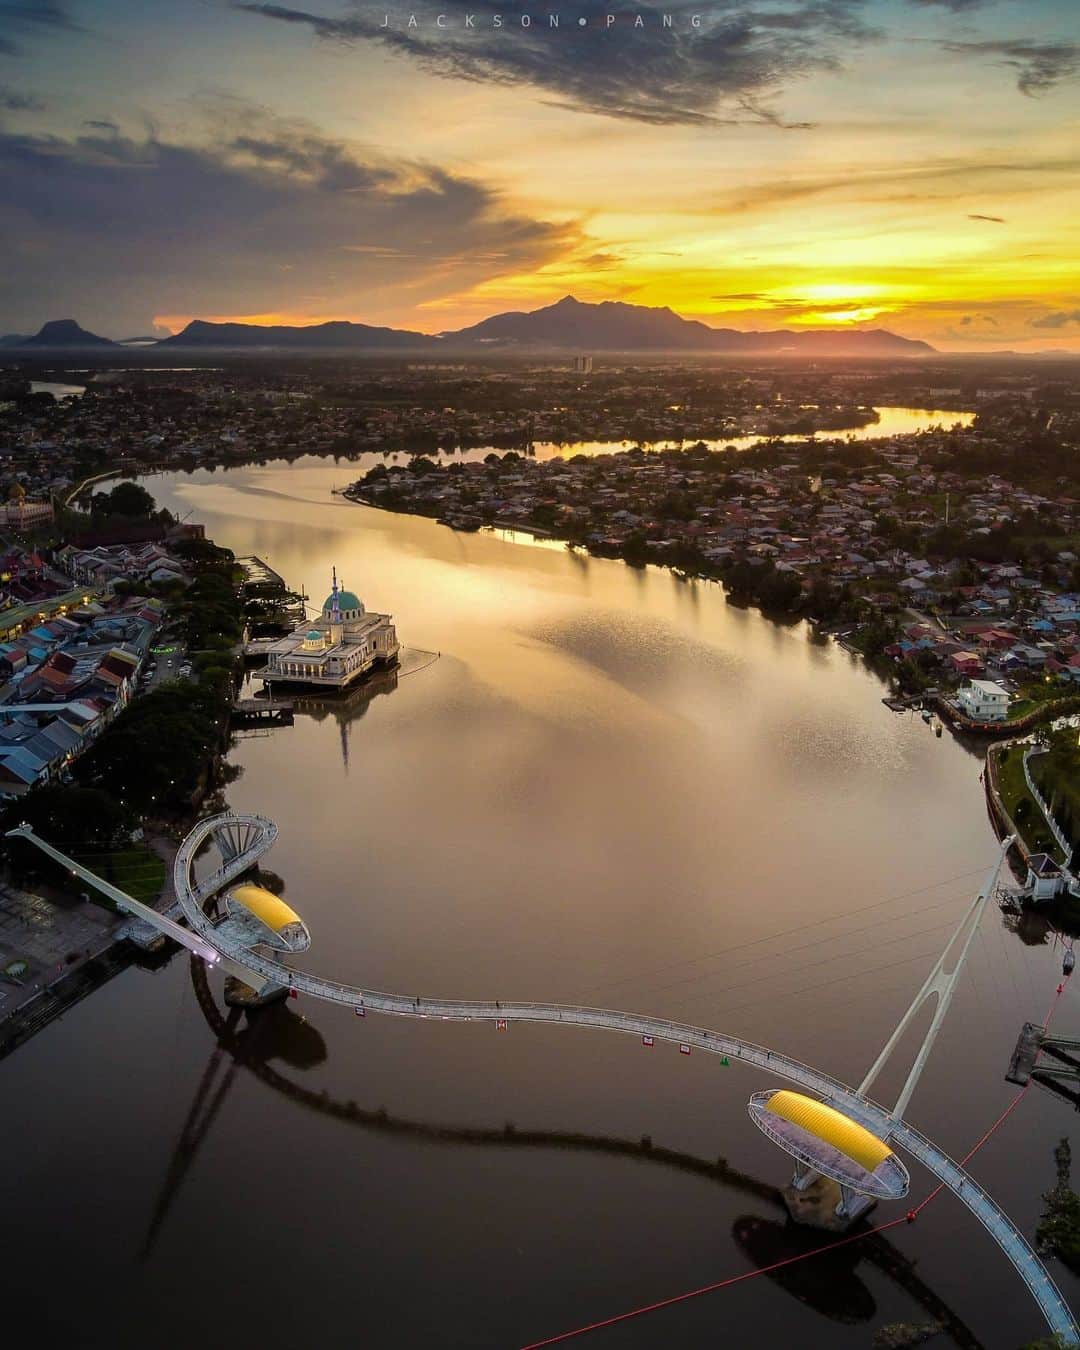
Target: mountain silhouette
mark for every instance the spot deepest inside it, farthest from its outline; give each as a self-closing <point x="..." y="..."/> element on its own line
<point x="337" y="334"/>
<point x="567" y="325"/>
<point x="614" y="326"/>
<point x="65" y="333"/>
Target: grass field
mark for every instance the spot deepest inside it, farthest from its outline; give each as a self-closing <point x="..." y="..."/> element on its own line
<point x="1021" y="805"/>
<point x="135" y="869"/>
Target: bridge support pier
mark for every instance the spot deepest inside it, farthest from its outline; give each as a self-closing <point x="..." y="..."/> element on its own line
<point x="853" y="1205"/>
<point x="239" y="994"/>
<point x="803" y="1176"/>
<point x="819" y="1202"/>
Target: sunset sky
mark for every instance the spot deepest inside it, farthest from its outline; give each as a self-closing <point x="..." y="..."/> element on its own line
<point x="908" y="164"/>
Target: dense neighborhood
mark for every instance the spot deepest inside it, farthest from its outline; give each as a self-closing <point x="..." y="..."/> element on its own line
<point x="76" y="650"/>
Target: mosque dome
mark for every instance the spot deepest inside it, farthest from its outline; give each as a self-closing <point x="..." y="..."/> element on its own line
<point x="314" y="635"/>
<point x="347" y="600"/>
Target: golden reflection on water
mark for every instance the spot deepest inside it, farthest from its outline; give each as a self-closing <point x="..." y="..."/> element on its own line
<point x="609" y="766"/>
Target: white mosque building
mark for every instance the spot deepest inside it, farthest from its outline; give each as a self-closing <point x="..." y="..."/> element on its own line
<point x="335" y="650"/>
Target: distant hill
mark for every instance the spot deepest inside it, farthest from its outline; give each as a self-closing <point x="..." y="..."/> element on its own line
<point x="338" y="334"/>
<point x="610" y="326"/>
<point x="65" y="333"/>
<point x="14" y="340"/>
<point x="614" y="326"/>
<point x="568" y="325"/>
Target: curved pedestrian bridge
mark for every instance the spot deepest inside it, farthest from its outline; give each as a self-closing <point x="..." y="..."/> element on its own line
<point x="243" y="839"/>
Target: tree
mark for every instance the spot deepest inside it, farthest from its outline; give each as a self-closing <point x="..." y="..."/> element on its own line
<point x="157" y="751"/>
<point x="126" y="499"/>
<point x="72" y="815"/>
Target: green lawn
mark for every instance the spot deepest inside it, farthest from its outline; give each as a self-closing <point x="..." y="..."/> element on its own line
<point x="1021" y="805"/>
<point x="1057" y="776"/>
<point x="1038" y="692"/>
<point x="135" y="869"/>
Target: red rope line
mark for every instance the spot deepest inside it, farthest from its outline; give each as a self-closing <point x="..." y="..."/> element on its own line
<point x="914" y="1213"/>
<point x="709" y="1288"/>
<point x="909" y="1217"/>
<point x="1005" y="1114"/>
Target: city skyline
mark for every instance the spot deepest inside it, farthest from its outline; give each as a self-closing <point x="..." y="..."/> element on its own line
<point x="900" y="164"/>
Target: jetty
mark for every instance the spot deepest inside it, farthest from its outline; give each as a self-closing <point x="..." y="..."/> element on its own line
<point x="261" y="712"/>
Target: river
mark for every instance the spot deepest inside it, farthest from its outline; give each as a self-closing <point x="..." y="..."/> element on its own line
<point x="57" y="390"/>
<point x="892" y="421"/>
<point x="611" y="788"/>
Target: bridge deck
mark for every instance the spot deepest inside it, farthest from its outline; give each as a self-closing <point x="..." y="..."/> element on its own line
<point x="248" y="837"/>
<point x="262" y="833"/>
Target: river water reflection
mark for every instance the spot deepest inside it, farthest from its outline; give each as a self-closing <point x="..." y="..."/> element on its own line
<point x="611" y="788"/>
<point x="891" y="421"/>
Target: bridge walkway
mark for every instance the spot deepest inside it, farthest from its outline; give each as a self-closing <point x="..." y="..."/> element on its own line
<point x="255" y="834"/>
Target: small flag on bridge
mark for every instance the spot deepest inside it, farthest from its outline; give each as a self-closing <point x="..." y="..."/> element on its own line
<point x="361" y="1012"/>
<point x="647" y="1041"/>
<point x="500" y="1024"/>
<point x="684" y="1049"/>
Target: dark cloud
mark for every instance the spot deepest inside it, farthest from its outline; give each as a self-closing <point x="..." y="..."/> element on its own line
<point x="11" y="100"/>
<point x="957" y="6"/>
<point x="1061" y="319"/>
<point x="741" y="295"/>
<point x="972" y="320"/>
<point x="101" y="125"/>
<point x="298" y="222"/>
<point x="1039" y="66"/>
<point x="23" y="18"/>
<point x="924" y="182"/>
<point x="977" y="215"/>
<point x="725" y="71"/>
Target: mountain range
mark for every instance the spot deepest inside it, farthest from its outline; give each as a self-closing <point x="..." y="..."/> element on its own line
<point x="615" y="326"/>
<point x="334" y="335"/>
<point x="570" y="324"/>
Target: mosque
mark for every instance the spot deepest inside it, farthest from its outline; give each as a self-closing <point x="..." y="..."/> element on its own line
<point x="335" y="650"/>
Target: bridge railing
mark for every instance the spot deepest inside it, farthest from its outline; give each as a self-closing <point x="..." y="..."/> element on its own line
<point x="990" y="1214"/>
<point x="192" y="895"/>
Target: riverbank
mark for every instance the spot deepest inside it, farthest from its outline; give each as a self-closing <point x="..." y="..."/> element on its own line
<point x="1015" y="810"/>
<point x="1049" y="711"/>
<point x="62" y="943"/>
<point x="850" y="537"/>
<point x="147" y="771"/>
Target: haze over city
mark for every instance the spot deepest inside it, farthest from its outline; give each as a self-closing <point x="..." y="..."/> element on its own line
<point x="909" y="165"/>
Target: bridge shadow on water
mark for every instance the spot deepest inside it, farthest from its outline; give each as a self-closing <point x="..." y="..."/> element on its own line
<point x="829" y="1284"/>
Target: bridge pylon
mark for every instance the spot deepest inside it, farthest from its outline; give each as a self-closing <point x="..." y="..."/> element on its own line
<point x="940" y="983"/>
<point x="831" y="1189"/>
